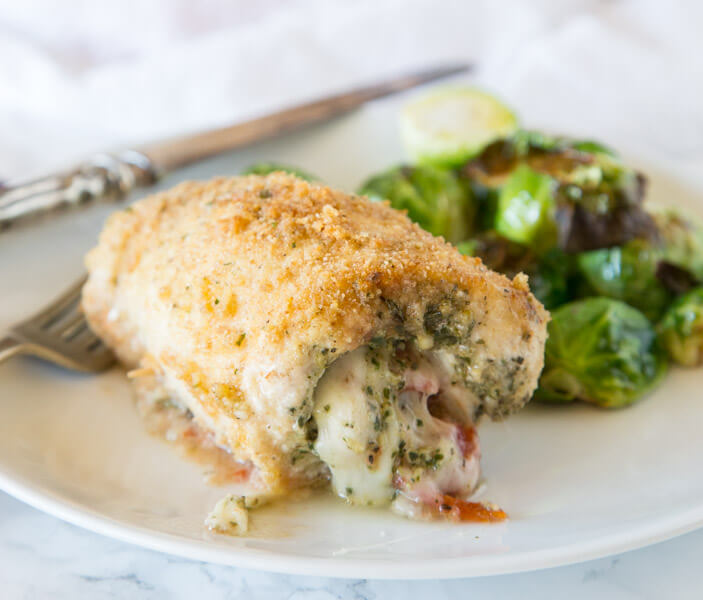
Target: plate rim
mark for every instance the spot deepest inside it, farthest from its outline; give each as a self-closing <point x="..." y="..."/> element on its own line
<point x="65" y="509"/>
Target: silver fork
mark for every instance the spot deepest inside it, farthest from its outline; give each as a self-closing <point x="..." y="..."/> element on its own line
<point x="60" y="334"/>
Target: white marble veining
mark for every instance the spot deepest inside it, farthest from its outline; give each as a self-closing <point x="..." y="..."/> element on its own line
<point x="42" y="557"/>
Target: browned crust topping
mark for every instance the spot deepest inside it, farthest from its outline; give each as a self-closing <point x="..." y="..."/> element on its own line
<point x="251" y="278"/>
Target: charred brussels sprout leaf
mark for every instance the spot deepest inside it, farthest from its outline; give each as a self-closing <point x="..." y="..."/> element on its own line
<point x="525" y="210"/>
<point x="499" y="253"/>
<point x="433" y="197"/>
<point x="597" y="201"/>
<point x="559" y="157"/>
<point x="676" y="279"/>
<point x="681" y="329"/>
<point x="600" y="351"/>
<point x="550" y="273"/>
<point x="627" y="273"/>
<point x="602" y="208"/>
<point x="265" y="168"/>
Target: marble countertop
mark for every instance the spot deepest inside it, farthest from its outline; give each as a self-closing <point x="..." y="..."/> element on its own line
<point x="42" y="557"/>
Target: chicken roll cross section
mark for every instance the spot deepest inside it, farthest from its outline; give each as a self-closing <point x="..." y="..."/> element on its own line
<point x="317" y="336"/>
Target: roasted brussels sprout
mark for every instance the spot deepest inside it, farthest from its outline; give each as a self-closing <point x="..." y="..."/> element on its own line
<point x="601" y="209"/>
<point x="450" y="125"/>
<point x="550" y="278"/>
<point x="433" y="197"/>
<point x="596" y="200"/>
<point x="627" y="273"/>
<point x="648" y="273"/>
<point x="600" y="351"/>
<point x="681" y="329"/>
<point x="525" y="208"/>
<point x="566" y="160"/>
<point x="265" y="168"/>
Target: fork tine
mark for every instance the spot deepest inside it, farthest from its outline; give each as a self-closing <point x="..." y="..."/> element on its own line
<point x="85" y="337"/>
<point x="58" y="318"/>
<point x="60" y="333"/>
<point x="69" y="321"/>
<point x="54" y="310"/>
<point x="69" y="335"/>
<point x="95" y="345"/>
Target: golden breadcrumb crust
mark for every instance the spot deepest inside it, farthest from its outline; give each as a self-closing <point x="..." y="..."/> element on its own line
<point x="239" y="291"/>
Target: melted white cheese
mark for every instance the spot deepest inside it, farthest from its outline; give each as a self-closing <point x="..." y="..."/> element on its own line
<point x="348" y="433"/>
<point x="376" y="444"/>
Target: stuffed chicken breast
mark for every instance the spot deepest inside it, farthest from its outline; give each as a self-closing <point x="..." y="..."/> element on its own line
<point x="317" y="336"/>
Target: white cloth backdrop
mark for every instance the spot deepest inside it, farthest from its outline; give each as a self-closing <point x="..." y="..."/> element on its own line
<point x="79" y="75"/>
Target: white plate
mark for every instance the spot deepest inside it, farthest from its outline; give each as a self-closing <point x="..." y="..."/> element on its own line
<point x="578" y="483"/>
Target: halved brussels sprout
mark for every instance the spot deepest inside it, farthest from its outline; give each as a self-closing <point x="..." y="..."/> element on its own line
<point x="433" y="197"/>
<point x="600" y="351"/>
<point x="681" y="329"/>
<point x="450" y="125"/>
<point x="265" y="168"/>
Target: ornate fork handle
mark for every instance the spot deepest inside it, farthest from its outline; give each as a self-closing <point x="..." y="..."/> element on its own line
<point x="113" y="176"/>
<point x="9" y="346"/>
<point x="103" y="177"/>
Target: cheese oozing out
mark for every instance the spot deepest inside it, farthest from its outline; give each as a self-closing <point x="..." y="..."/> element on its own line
<point x="393" y="427"/>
